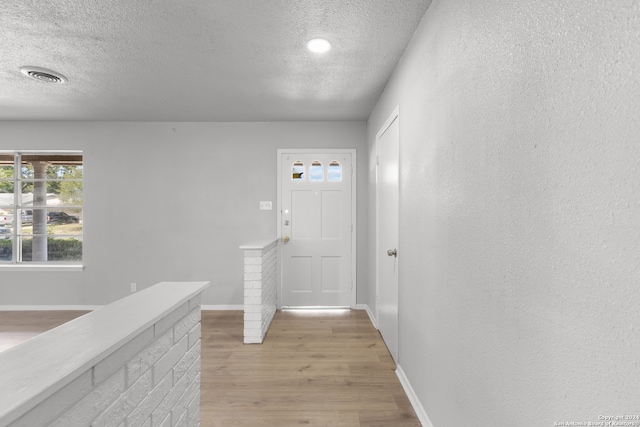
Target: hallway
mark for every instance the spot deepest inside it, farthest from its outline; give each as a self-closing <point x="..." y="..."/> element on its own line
<point x="314" y="368"/>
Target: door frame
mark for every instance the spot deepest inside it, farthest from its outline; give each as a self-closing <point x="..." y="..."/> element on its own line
<point x="395" y="115"/>
<point x="354" y="228"/>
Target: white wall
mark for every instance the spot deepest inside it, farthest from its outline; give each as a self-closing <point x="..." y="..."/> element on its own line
<point x="172" y="202"/>
<point x="520" y="210"/>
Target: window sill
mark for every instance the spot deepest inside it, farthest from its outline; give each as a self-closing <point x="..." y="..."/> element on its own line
<point x="41" y="267"/>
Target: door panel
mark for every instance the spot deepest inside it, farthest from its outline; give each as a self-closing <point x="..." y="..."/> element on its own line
<point x="331" y="215"/>
<point x="301" y="274"/>
<point x="331" y="270"/>
<point x="304" y="217"/>
<point x="388" y="229"/>
<point x="316" y="229"/>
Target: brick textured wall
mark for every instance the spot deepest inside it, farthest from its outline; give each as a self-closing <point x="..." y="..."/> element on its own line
<point x="152" y="380"/>
<point x="260" y="298"/>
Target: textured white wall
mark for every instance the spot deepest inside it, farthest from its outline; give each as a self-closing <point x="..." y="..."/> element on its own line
<point x="172" y="202"/>
<point x="520" y="210"/>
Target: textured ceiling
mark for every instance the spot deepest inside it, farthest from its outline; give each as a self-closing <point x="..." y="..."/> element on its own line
<point x="201" y="60"/>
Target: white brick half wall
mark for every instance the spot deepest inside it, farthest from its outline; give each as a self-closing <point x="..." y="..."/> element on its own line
<point x="260" y="296"/>
<point x="135" y="362"/>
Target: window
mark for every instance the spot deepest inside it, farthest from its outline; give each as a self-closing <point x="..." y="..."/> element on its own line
<point x="40" y="207"/>
<point x="334" y="171"/>
<point x="316" y="173"/>
<point x="297" y="171"/>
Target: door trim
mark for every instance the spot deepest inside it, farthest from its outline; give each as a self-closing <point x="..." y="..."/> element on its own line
<point x="395" y="115"/>
<point x="354" y="234"/>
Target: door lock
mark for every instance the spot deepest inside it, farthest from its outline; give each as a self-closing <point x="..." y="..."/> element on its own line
<point x="392" y="252"/>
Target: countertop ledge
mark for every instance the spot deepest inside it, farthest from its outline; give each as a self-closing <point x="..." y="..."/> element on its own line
<point x="259" y="244"/>
<point x="34" y="370"/>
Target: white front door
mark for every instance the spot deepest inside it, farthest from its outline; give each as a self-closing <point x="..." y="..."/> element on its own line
<point x="316" y="228"/>
<point x="387" y="196"/>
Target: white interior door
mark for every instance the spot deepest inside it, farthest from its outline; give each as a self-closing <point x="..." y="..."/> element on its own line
<point x="316" y="227"/>
<point x="388" y="143"/>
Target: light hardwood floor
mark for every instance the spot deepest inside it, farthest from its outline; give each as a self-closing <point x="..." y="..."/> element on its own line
<point x="18" y="326"/>
<point x="314" y="368"/>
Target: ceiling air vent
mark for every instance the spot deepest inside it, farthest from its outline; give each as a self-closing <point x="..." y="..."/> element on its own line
<point x="44" y="75"/>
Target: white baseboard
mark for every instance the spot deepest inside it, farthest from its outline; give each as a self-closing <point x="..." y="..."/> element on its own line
<point x="365" y="307"/>
<point x="413" y="398"/>
<point x="238" y="307"/>
<point x="49" y="307"/>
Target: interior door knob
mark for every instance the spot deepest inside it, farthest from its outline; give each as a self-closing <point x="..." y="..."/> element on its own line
<point x="285" y="239"/>
<point x="392" y="252"/>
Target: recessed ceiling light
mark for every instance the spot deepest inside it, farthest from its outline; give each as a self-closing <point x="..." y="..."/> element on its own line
<point x="319" y="45"/>
<point x="43" y="75"/>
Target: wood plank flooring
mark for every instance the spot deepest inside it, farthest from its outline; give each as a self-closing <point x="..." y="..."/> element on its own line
<point x="314" y="368"/>
<point x="18" y="326"/>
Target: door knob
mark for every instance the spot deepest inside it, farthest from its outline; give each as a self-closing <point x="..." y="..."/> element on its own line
<point x="392" y="252"/>
<point x="285" y="239"/>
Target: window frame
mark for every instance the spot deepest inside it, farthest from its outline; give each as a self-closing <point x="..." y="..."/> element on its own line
<point x="17" y="263"/>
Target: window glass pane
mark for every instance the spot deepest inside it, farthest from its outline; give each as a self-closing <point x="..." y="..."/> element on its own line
<point x="66" y="194"/>
<point x="66" y="222"/>
<point x="6" y="180"/>
<point x="316" y="173"/>
<point x="334" y="171"/>
<point x="64" y="185"/>
<point x="69" y="194"/>
<point x="26" y="173"/>
<point x="26" y="200"/>
<point x="26" y="215"/>
<point x="6" y="191"/>
<point x="297" y="171"/>
<point x="30" y="216"/>
<point x="6" y="206"/>
<point x="6" y="217"/>
<point x="57" y="248"/>
<point x="6" y="244"/>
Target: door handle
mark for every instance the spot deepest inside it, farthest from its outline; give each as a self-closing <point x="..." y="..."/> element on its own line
<point x="392" y="252"/>
<point x="285" y="239"/>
